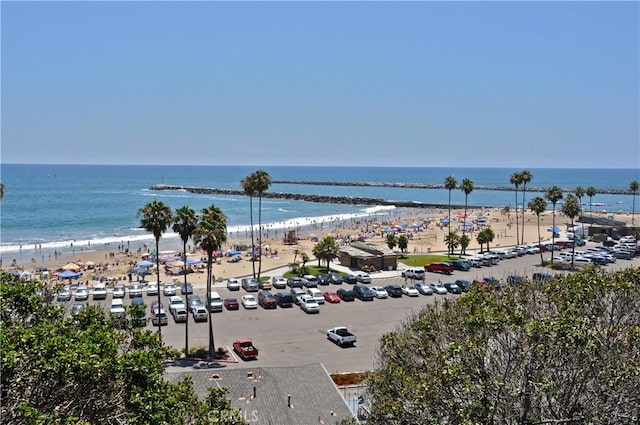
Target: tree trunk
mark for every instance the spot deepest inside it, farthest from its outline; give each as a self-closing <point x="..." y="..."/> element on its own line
<point x="158" y="280"/>
<point x="186" y="323"/>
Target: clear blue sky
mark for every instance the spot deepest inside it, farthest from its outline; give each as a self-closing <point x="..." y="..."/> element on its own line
<point x="537" y="84"/>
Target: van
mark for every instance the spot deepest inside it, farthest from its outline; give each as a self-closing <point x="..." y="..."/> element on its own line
<point x="214" y="302"/>
<point x="417" y="274"/>
<point x="284" y="299"/>
<point x="267" y="300"/>
<point x="316" y="294"/>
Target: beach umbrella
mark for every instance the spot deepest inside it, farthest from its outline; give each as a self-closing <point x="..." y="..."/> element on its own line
<point x="233" y="253"/>
<point x="481" y="220"/>
<point x="554" y="229"/>
<point x="190" y="261"/>
<point x="444" y="220"/>
<point x="71" y="266"/>
<point x="141" y="271"/>
<point x="144" y="263"/>
<point x="467" y="224"/>
<point x="68" y="274"/>
<point x="389" y="230"/>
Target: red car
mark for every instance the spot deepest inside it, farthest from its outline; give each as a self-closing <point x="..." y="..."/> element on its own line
<point x="231" y="304"/>
<point x="245" y="349"/>
<point x="444" y="268"/>
<point x="331" y="297"/>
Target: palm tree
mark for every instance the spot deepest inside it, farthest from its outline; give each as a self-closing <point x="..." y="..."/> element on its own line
<point x="634" y="188"/>
<point x="482" y="239"/>
<point x="450" y="183"/>
<point x="553" y="195"/>
<point x="467" y="188"/>
<point x="248" y="185"/>
<point x="453" y="241"/>
<point x="571" y="208"/>
<point x="326" y="250"/>
<point x="515" y="180"/>
<point x="156" y="217"/>
<point x="211" y="234"/>
<point x="465" y="240"/>
<point x="579" y="192"/>
<point x="261" y="183"/>
<point x="525" y="177"/>
<point x="538" y="205"/>
<point x="185" y="224"/>
<point x="591" y="192"/>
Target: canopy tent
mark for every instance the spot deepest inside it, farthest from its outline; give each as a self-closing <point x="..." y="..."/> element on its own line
<point x="68" y="274"/>
<point x="190" y="261"/>
<point x="144" y="263"/>
<point x="141" y="271"/>
<point x="71" y="266"/>
<point x="233" y="253"/>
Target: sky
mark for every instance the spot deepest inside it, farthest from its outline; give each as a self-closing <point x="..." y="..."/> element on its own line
<point x="465" y="84"/>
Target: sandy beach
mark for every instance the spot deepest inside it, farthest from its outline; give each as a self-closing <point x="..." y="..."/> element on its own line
<point x="115" y="262"/>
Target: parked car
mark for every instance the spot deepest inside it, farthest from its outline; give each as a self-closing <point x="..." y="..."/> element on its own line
<point x="245" y="349"/>
<point x="176" y="302"/>
<point x="199" y="313"/>
<point x="193" y="300"/>
<point x="341" y="336"/>
<point x="363" y="293"/>
<point x="169" y="289"/>
<point x="514" y="279"/>
<point x="152" y="288"/>
<point x="424" y="288"/>
<point x="250" y="284"/>
<point x="278" y="282"/>
<point x="438" y="288"/>
<point x="350" y="278"/>
<point x="135" y="289"/>
<point x="214" y="302"/>
<point x="231" y="304"/>
<point x="139" y="313"/>
<point x="461" y="265"/>
<point x="186" y="289"/>
<point x="180" y="315"/>
<point x="118" y="291"/>
<point x="117" y="308"/>
<point x="545" y="277"/>
<point x="64" y="293"/>
<point x="284" y="299"/>
<point x="249" y="302"/>
<point x="394" y="291"/>
<point x="316" y="294"/>
<point x="310" y="281"/>
<point x="100" y="291"/>
<point x="308" y="304"/>
<point x="379" y="292"/>
<point x="409" y="290"/>
<point x="452" y="288"/>
<point x="76" y="308"/>
<point x="346" y="294"/>
<point x="82" y="293"/>
<point x="264" y="284"/>
<point x="323" y="279"/>
<point x="363" y="278"/>
<point x="266" y="300"/>
<point x="476" y="262"/>
<point x="295" y="282"/>
<point x="331" y="297"/>
<point x="412" y="273"/>
<point x="233" y="284"/>
<point x="296" y="293"/>
<point x="335" y="278"/>
<point x="464" y="285"/>
<point x="159" y="317"/>
<point x="444" y="268"/>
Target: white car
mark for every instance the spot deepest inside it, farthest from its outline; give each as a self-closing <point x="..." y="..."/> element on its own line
<point x="279" y="282"/>
<point x="379" y="292"/>
<point x="176" y="302"/>
<point x="64" y="293"/>
<point x="118" y="291"/>
<point x="410" y="290"/>
<point x="100" y="291"/>
<point x="169" y="289"/>
<point x="135" y="289"/>
<point x="249" y="301"/>
<point x="438" y="288"/>
<point x="233" y="284"/>
<point x="363" y="278"/>
<point x="152" y="288"/>
<point x="117" y="307"/>
<point x="82" y="293"/>
<point x="309" y="305"/>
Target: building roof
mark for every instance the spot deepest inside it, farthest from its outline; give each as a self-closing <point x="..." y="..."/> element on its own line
<point x="314" y="397"/>
<point x="361" y="249"/>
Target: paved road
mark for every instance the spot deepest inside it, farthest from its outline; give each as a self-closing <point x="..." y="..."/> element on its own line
<point x="291" y="337"/>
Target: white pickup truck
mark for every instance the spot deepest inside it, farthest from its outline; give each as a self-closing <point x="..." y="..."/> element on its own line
<point x="341" y="336"/>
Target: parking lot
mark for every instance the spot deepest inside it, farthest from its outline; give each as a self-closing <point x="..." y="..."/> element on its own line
<point x="288" y="337"/>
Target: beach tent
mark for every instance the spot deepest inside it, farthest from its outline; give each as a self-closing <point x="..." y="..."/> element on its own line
<point x="144" y="263"/>
<point x="68" y="274"/>
<point x="233" y="253"/>
<point x="71" y="266"/>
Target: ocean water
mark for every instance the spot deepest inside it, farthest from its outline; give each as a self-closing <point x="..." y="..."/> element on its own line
<point x="52" y="207"/>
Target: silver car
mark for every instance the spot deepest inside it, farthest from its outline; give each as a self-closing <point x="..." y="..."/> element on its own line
<point x="82" y="293"/>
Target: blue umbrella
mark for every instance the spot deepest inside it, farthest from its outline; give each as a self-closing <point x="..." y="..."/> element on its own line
<point x="554" y="229"/>
<point x="233" y="252"/>
<point x="190" y="261"/>
<point x="68" y="274"/>
<point x="141" y="271"/>
<point x="144" y="263"/>
<point x="444" y="220"/>
<point x="467" y="224"/>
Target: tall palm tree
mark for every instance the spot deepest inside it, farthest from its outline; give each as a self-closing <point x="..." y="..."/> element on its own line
<point x="450" y="183"/>
<point x="571" y="208"/>
<point x="538" y="205"/>
<point x="525" y="177"/>
<point x="634" y="188"/>
<point x="516" y="180"/>
<point x="185" y="223"/>
<point x="248" y="185"/>
<point x="156" y="217"/>
<point x="210" y="235"/>
<point x="553" y="195"/>
<point x="591" y="192"/>
<point x="467" y="188"/>
<point x="261" y="183"/>
<point x="579" y="192"/>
